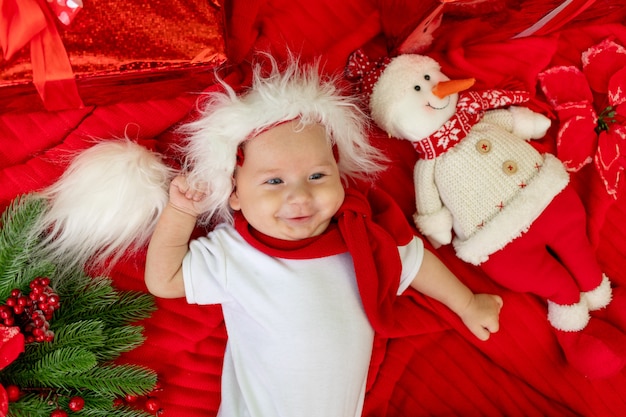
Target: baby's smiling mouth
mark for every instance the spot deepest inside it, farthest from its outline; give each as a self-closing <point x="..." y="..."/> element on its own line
<point x="439" y="108"/>
<point x="297" y="219"/>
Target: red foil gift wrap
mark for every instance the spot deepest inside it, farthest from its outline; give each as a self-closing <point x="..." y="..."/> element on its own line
<point x="112" y="42"/>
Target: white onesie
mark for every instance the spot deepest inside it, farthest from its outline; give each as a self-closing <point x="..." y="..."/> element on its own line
<point x="299" y="342"/>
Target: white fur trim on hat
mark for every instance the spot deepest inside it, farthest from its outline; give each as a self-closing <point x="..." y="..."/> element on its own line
<point x="568" y="318"/>
<point x="600" y="296"/>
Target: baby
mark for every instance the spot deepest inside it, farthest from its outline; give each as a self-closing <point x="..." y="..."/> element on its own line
<point x="306" y="263"/>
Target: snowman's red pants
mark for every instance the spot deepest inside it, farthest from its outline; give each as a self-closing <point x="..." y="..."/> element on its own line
<point x="554" y="258"/>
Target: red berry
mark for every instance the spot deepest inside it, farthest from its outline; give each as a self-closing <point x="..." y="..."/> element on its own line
<point x="13" y="392"/>
<point x="153" y="405"/>
<point x="58" y="413"/>
<point x="53" y="300"/>
<point x="76" y="403"/>
<point x="38" y="321"/>
<point x="131" y="398"/>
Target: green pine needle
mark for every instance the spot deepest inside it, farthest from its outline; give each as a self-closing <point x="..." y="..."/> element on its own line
<point x="120" y="340"/>
<point x="113" y="380"/>
<point x="52" y="370"/>
<point x="16" y="244"/>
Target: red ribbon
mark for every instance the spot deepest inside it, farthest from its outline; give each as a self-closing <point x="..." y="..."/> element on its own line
<point x="364" y="72"/>
<point x="24" y="21"/>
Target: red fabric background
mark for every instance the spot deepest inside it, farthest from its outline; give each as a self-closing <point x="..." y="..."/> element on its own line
<point x="520" y="371"/>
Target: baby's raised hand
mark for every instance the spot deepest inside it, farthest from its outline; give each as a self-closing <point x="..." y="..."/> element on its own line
<point x="183" y="197"/>
<point x="482" y="315"/>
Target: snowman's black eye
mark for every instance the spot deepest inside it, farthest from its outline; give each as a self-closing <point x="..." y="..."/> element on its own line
<point x="417" y="88"/>
<point x="427" y="77"/>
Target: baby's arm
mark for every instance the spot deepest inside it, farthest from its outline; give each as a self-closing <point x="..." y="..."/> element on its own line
<point x="479" y="312"/>
<point x="169" y="243"/>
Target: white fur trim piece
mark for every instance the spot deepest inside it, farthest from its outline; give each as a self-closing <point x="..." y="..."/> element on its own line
<point x="108" y="200"/>
<point x="600" y="296"/>
<point x="436" y="226"/>
<point x="568" y="318"/>
<point x="517" y="216"/>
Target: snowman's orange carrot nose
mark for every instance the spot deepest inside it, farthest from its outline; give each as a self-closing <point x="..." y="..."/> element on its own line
<point x="445" y="88"/>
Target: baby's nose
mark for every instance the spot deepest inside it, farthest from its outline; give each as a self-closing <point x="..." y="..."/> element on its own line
<point x="298" y="193"/>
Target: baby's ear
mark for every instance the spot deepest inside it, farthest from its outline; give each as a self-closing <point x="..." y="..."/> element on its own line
<point x="233" y="200"/>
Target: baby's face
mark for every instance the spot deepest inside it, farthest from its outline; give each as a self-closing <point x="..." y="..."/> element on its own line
<point x="289" y="185"/>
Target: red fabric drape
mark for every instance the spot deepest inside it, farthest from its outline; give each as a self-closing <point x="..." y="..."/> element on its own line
<point x="520" y="371"/>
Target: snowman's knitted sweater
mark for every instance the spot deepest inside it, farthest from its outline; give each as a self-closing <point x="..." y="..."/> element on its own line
<point x="493" y="183"/>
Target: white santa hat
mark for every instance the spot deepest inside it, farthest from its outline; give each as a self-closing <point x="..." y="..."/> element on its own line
<point x="296" y="93"/>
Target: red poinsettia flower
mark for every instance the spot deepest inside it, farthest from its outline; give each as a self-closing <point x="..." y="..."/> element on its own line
<point x="11" y="345"/>
<point x="591" y="108"/>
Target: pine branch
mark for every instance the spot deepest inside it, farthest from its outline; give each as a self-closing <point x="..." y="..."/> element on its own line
<point x="112" y="380"/>
<point x="35" y="405"/>
<point x="92" y="327"/>
<point x="89" y="297"/>
<point x="31" y="405"/>
<point x="52" y="370"/>
<point x="98" y="299"/>
<point x="16" y="244"/>
<point x="131" y="306"/>
<point x="120" y="340"/>
<point x="88" y="334"/>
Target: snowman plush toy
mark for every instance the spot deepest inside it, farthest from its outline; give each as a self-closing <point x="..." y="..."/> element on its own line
<point x="502" y="204"/>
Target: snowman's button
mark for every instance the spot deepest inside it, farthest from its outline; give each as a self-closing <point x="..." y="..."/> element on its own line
<point x="483" y="146"/>
<point x="509" y="167"/>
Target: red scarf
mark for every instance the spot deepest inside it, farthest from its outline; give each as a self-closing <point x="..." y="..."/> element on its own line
<point x="370" y="226"/>
<point x="470" y="108"/>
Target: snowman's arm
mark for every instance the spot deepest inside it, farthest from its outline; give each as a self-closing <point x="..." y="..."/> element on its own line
<point x="520" y="121"/>
<point x="432" y="218"/>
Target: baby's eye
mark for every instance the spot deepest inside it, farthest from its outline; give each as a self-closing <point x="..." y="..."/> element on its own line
<point x="316" y="176"/>
<point x="274" y="181"/>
